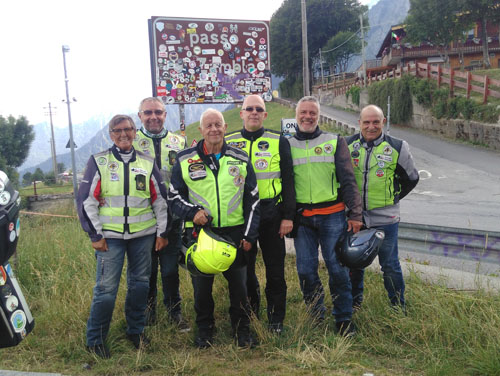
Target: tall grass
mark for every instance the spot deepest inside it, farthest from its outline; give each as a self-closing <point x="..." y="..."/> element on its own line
<point x="445" y="332"/>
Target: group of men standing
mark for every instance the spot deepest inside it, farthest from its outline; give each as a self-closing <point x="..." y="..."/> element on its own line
<point x="252" y="185"/>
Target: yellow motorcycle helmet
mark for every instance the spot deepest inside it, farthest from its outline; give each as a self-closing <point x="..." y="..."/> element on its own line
<point x="211" y="254"/>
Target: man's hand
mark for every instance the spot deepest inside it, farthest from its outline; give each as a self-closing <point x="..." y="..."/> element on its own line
<point x="100" y="245"/>
<point x="354" y="226"/>
<point x="200" y="218"/>
<point x="246" y="245"/>
<point x="160" y="243"/>
<point x="286" y="227"/>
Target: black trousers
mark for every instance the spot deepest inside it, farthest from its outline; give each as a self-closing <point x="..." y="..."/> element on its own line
<point x="167" y="260"/>
<point x="273" y="253"/>
<point x="204" y="302"/>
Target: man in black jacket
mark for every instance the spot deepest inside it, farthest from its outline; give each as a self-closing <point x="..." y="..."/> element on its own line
<point x="213" y="180"/>
<point x="271" y="159"/>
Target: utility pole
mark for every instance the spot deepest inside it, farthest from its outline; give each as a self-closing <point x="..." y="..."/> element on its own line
<point x="71" y="143"/>
<point x="321" y="63"/>
<point x="53" y="143"/>
<point x="363" y="49"/>
<point x="305" y="52"/>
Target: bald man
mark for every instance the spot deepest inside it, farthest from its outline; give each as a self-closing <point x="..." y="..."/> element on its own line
<point x="385" y="173"/>
<point x="272" y="161"/>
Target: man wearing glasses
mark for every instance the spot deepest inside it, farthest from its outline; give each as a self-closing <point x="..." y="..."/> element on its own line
<point x="155" y="140"/>
<point x="272" y="161"/>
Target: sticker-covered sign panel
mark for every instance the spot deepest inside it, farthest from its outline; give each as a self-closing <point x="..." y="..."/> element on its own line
<point x="209" y="61"/>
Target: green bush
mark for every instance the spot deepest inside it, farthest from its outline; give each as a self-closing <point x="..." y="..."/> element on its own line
<point x="355" y="92"/>
<point x="400" y="92"/>
<point x="486" y="113"/>
<point x="422" y="90"/>
<point x="439" y="103"/>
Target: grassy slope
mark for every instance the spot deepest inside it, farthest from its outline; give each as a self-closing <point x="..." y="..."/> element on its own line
<point x="445" y="332"/>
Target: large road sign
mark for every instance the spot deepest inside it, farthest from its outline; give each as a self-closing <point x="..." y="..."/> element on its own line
<point x="209" y="61"/>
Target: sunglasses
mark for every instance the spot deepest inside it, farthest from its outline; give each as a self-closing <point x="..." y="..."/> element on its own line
<point x="126" y="130"/>
<point x="250" y="109"/>
<point x="150" y="112"/>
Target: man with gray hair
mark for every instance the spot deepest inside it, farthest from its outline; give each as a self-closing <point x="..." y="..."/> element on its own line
<point x="155" y="140"/>
<point x="385" y="173"/>
<point x="321" y="165"/>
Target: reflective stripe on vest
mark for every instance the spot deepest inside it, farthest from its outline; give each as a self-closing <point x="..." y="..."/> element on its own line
<point x="375" y="170"/>
<point x="265" y="158"/>
<point x="170" y="145"/>
<point x="314" y="169"/>
<point x="222" y="195"/>
<point x="119" y="208"/>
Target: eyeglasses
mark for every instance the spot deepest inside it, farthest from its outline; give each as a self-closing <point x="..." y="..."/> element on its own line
<point x="156" y="112"/>
<point x="119" y="131"/>
<point x="250" y="109"/>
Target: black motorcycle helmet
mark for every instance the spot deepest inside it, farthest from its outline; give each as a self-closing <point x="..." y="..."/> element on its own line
<point x="357" y="251"/>
<point x="10" y="203"/>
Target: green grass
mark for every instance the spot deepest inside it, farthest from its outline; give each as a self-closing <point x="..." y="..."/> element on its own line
<point x="445" y="332"/>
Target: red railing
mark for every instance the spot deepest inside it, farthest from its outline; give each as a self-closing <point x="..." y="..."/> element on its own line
<point x="466" y="80"/>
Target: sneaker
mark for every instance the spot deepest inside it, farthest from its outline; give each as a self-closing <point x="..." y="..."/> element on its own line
<point x="100" y="350"/>
<point x="245" y="339"/>
<point x="139" y="340"/>
<point x="182" y="325"/>
<point x="276" y="328"/>
<point x="346" y="328"/>
<point x="204" y="339"/>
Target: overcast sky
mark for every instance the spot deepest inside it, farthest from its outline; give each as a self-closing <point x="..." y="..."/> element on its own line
<point x="108" y="64"/>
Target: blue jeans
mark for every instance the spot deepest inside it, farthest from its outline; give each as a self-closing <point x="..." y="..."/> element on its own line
<point x="325" y="231"/>
<point x="167" y="259"/>
<point x="109" y="270"/>
<point x="388" y="257"/>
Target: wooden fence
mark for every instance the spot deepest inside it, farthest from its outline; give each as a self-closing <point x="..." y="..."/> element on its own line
<point x="466" y="80"/>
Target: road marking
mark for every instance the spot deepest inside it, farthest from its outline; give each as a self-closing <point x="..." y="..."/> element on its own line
<point x="426" y="193"/>
<point x="425" y="172"/>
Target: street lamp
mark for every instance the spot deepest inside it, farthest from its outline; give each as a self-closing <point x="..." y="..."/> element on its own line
<point x="71" y="143"/>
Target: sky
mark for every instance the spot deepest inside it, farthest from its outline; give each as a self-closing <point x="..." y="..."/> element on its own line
<point x="108" y="65"/>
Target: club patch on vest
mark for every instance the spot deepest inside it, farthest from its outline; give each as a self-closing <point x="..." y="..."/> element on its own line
<point x="233" y="170"/>
<point x="234" y="162"/>
<point x="144" y="143"/>
<point x="328" y="148"/>
<point x="263" y="145"/>
<point x="238" y="144"/>
<point x="385" y="158"/>
<point x="356" y="146"/>
<point x="318" y="150"/>
<point x="262" y="154"/>
<point x="260" y="164"/>
<point x="171" y="157"/>
<point x="239" y="181"/>
<point x="355" y="162"/>
<point x="101" y="161"/>
<point x="197" y="171"/>
<point x="380" y="173"/>
<point x="113" y="166"/>
<point x="137" y="170"/>
<point x="355" y="154"/>
<point x="114" y="177"/>
<point x="140" y="182"/>
<point x="387" y="150"/>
